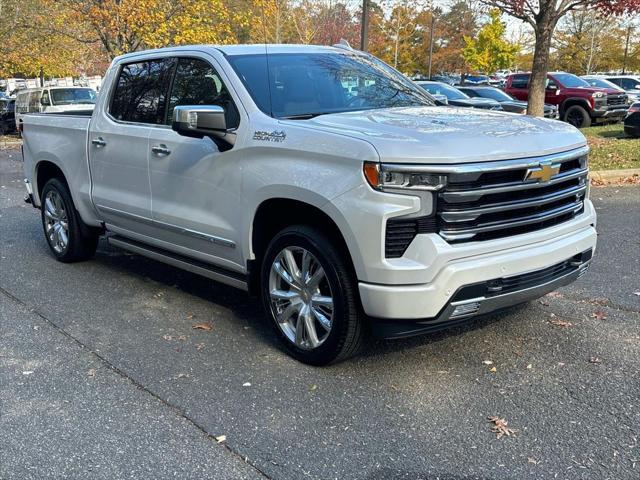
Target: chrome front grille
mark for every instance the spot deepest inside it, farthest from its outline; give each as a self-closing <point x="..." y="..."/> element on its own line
<point x="613" y="100"/>
<point x="492" y="200"/>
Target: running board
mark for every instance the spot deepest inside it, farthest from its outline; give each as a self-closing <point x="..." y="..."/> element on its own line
<point x="218" y="274"/>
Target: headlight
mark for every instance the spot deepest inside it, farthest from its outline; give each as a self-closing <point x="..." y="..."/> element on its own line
<point x="597" y="94"/>
<point x="395" y="177"/>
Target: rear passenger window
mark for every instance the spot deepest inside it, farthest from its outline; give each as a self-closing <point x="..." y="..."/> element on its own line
<point x="520" y="81"/>
<point x="141" y="92"/>
<point x="197" y="83"/>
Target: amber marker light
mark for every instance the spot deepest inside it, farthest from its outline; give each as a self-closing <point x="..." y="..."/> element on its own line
<point x="372" y="173"/>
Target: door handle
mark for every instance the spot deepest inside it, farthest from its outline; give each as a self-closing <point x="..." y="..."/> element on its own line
<point x="99" y="142"/>
<point x="161" y="150"/>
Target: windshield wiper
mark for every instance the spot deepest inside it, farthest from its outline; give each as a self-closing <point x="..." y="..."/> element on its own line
<point x="304" y="116"/>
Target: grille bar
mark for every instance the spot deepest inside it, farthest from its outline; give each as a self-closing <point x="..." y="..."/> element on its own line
<point x="470" y="214"/>
<point x="470" y="232"/>
<point x="466" y="195"/>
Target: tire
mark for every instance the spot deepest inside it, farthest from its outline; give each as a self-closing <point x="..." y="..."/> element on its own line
<point x="308" y="304"/>
<point x="58" y="211"/>
<point x="577" y="116"/>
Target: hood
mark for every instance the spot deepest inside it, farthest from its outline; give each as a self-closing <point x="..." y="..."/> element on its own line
<point x="589" y="90"/>
<point x="475" y="102"/>
<point x="451" y="135"/>
<point x="519" y="103"/>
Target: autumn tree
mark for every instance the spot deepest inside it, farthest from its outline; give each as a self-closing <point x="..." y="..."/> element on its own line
<point x="122" y="26"/>
<point x="543" y="16"/>
<point x="450" y="29"/>
<point x="490" y="51"/>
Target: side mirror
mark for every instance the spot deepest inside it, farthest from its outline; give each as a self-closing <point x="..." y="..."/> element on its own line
<point x="551" y="86"/>
<point x="45" y="101"/>
<point x="637" y="87"/>
<point x="198" y="120"/>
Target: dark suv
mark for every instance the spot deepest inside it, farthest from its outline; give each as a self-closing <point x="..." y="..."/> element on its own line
<point x="7" y="115"/>
<point x="578" y="103"/>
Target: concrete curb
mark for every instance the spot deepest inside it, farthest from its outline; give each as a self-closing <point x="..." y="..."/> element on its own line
<point x="613" y="175"/>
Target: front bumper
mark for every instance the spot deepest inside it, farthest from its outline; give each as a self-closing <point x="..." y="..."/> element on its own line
<point x="409" y="309"/>
<point x="618" y="111"/>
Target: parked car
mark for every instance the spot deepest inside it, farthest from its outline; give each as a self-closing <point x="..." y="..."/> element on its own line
<point x="629" y="83"/>
<point x="508" y="103"/>
<point x="578" y="103"/>
<point x="458" y="98"/>
<point x="632" y="121"/>
<point x="54" y="100"/>
<point x="7" y="115"/>
<point x="253" y="165"/>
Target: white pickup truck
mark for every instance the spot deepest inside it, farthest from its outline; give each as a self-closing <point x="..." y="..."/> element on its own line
<point x="321" y="180"/>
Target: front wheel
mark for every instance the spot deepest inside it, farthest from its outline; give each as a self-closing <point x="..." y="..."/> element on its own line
<point x="577" y="116"/>
<point x="310" y="296"/>
<point x="69" y="239"/>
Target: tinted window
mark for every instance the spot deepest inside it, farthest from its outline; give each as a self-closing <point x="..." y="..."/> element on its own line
<point x="494" y="94"/>
<point x="141" y="91"/>
<point x="448" y="91"/>
<point x="197" y="83"/>
<point x="569" y="80"/>
<point x="520" y="81"/>
<point x="292" y="84"/>
<point x="69" y="96"/>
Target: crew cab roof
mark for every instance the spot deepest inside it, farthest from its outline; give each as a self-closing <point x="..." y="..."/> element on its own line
<point x="250" y="49"/>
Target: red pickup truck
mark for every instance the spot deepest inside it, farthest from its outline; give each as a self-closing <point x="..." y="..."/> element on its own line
<point x="578" y="103"/>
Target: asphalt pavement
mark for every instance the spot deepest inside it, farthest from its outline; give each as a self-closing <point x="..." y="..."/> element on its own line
<point x="102" y="375"/>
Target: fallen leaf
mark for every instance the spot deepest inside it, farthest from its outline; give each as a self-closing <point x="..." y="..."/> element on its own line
<point x="167" y="337"/>
<point x="182" y="337"/>
<point x="500" y="427"/>
<point x="595" y="360"/>
<point x="203" y="326"/>
<point x="199" y="346"/>
<point x="487" y="362"/>
<point x="599" y="315"/>
<point x="92" y="372"/>
<point x="183" y="375"/>
<point x="554" y="295"/>
<point x="561" y="323"/>
<point x="221" y="438"/>
<point x="533" y="460"/>
<point x="637" y="294"/>
<point x="315" y="387"/>
<point x="529" y="366"/>
<point x="246" y="384"/>
<point x="493" y="369"/>
<point x="190" y="316"/>
<point x="28" y="372"/>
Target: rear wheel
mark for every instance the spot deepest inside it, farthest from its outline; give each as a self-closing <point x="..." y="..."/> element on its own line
<point x="310" y="296"/>
<point x="69" y="239"/>
<point x="577" y="116"/>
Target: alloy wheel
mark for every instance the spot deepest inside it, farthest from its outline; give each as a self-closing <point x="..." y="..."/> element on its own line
<point x="300" y="297"/>
<point x="56" y="223"/>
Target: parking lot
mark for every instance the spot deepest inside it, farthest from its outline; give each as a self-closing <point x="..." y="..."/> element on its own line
<point x="103" y="375"/>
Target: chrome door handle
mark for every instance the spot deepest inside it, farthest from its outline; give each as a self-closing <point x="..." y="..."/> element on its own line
<point x="99" y="142"/>
<point x="161" y="150"/>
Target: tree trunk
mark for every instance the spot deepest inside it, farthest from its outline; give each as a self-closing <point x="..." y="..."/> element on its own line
<point x="538" y="81"/>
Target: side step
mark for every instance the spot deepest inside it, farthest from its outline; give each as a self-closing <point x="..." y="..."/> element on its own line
<point x="218" y="274"/>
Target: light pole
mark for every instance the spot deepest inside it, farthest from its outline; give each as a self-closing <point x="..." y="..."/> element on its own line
<point x="364" y="27"/>
<point x="433" y="22"/>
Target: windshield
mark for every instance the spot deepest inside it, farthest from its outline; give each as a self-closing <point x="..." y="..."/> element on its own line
<point x="602" y="83"/>
<point x="443" y="89"/>
<point x="70" y="96"/>
<point x="303" y="85"/>
<point x="494" y="94"/>
<point x="568" y="80"/>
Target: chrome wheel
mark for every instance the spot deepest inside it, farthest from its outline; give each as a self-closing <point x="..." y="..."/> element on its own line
<point x="56" y="223"/>
<point x="300" y="297"/>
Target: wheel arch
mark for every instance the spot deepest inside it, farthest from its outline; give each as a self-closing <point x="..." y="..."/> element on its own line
<point x="269" y="219"/>
<point x="572" y="101"/>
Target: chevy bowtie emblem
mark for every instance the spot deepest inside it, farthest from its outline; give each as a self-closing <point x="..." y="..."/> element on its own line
<point x="542" y="173"/>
